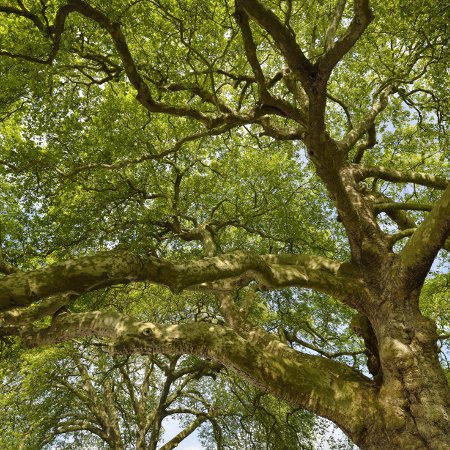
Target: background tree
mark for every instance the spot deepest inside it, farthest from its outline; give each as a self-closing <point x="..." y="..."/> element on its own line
<point x="76" y="397"/>
<point x="286" y="163"/>
<point x="80" y="397"/>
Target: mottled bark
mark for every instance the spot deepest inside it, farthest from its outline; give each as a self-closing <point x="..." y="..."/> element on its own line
<point x="173" y="443"/>
<point x="406" y="407"/>
<point x="327" y="387"/>
<point x="89" y="273"/>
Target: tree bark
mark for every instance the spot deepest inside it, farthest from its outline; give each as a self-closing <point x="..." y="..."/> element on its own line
<point x="405" y="408"/>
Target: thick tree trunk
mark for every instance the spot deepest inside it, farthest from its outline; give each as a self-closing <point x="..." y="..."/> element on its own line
<point x="414" y="400"/>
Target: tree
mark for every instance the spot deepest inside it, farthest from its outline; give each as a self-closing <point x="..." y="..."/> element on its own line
<point x="82" y="397"/>
<point x="75" y="397"/>
<point x="278" y="162"/>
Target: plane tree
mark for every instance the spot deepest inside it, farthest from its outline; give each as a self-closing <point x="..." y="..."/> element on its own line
<point x="74" y="397"/>
<point x="286" y="163"/>
<point x="79" y="396"/>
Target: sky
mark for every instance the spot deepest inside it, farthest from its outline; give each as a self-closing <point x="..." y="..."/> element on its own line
<point x="192" y="442"/>
<point x="172" y="428"/>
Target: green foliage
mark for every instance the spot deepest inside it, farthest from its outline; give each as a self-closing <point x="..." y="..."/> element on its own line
<point x="45" y="392"/>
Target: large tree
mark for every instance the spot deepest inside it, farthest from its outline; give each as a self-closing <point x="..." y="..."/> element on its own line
<point x="269" y="157"/>
<point x="77" y="396"/>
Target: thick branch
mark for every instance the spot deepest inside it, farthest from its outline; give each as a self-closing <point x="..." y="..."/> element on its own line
<point x="424" y="179"/>
<point x="183" y="434"/>
<point x="418" y="254"/>
<point x="269" y="103"/>
<point x="47" y="307"/>
<point x="326" y="387"/>
<point x="250" y="48"/>
<point x="120" y="267"/>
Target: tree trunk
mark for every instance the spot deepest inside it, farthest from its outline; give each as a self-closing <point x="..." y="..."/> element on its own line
<point x="414" y="398"/>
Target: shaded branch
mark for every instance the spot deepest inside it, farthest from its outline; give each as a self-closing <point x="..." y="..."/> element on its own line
<point x="319" y="384"/>
<point x="281" y="133"/>
<point x="420" y="251"/>
<point x="90" y="273"/>
<point x="284" y="39"/>
<point x="361" y="172"/>
<point x="250" y="48"/>
<point x="47" y="307"/>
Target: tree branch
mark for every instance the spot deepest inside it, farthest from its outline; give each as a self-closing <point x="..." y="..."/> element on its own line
<point x="333" y="26"/>
<point x="406" y="206"/>
<point x="47" y="307"/>
<point x="22" y="12"/>
<point x="396" y="212"/>
<point x="284" y="40"/>
<point x="90" y="273"/>
<point x="184" y="433"/>
<point x="420" y="251"/>
<point x="326" y="387"/>
<point x="364" y="126"/>
<point x="424" y="179"/>
<point x="250" y="48"/>
<point x="361" y="20"/>
<point x="407" y="232"/>
<point x="370" y="143"/>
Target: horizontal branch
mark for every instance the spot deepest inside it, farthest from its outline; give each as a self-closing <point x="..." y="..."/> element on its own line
<point x="406" y="206"/>
<point x="407" y="232"/>
<point x="121" y="267"/>
<point x="326" y="387"/>
<point x="397" y="212"/>
<point x="47" y="307"/>
<point x="361" y="172"/>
